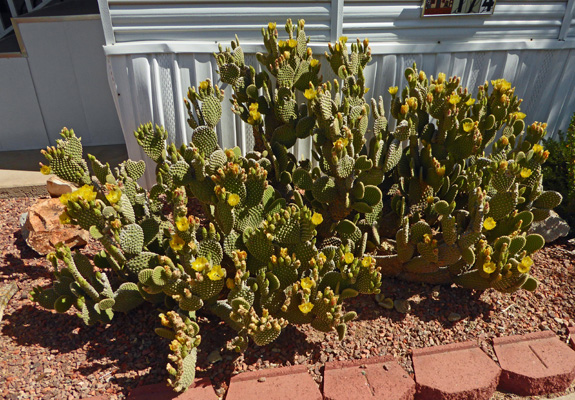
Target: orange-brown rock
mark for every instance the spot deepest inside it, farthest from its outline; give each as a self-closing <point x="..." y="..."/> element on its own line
<point x="43" y="230"/>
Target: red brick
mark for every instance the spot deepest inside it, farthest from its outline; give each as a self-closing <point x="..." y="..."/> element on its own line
<point x="379" y="377"/>
<point x="454" y="372"/>
<point x="534" y="364"/>
<point x="572" y="337"/>
<point x="274" y="384"/>
<point x="201" y="390"/>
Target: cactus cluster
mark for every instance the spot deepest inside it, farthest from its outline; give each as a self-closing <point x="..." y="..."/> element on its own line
<point x="454" y="186"/>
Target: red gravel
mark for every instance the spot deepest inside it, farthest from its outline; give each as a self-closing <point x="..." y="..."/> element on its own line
<point x="55" y="356"/>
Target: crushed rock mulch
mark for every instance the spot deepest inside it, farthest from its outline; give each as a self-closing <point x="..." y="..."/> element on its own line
<point x="46" y="355"/>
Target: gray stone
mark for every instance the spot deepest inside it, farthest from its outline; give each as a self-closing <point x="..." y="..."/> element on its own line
<point x="551" y="228"/>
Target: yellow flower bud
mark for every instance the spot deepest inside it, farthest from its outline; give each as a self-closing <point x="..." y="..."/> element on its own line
<point x="440" y="78"/>
<point x="204" y="85"/>
<point x="404" y="109"/>
<point x="470" y="102"/>
<point x="271" y="26"/>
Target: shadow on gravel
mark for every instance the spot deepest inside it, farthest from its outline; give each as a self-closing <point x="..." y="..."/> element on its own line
<point x="31" y="325"/>
<point x="424" y="304"/>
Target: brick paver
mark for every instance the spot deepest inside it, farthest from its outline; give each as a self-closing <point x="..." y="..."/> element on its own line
<point x="454" y="372"/>
<point x="534" y="364"/>
<point x="287" y="383"/>
<point x="376" y="377"/>
<point x="201" y="390"/>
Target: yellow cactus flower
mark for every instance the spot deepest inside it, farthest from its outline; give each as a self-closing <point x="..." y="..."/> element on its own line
<point x="313" y="62"/>
<point x="501" y="84"/>
<point x="468" y="126"/>
<point x="305" y="307"/>
<point x="204" y="85"/>
<point x="175" y="346"/>
<point x="393" y="90"/>
<point x="343" y="39"/>
<point x="489" y="224"/>
<point x="525" y="265"/>
<point x="200" y="264"/>
<point x="322" y="257"/>
<point x="310" y="94"/>
<point x="272" y="26"/>
<point x="404" y="109"/>
<point x="411" y="102"/>
<point x="348" y="258"/>
<point x="504" y="140"/>
<point x="114" y="196"/>
<point x="233" y="200"/>
<point x="440" y="171"/>
<point x="45" y="170"/>
<point x="316" y="219"/>
<point x="86" y="192"/>
<point x="454" y="99"/>
<point x="440" y="78"/>
<point x="65" y="198"/>
<point x="489" y="267"/>
<point x="282" y="43"/>
<point x="306" y="283"/>
<point x="177" y="243"/>
<point x="64" y="218"/>
<point x="292" y="43"/>
<point x="526" y="173"/>
<point x="255" y="115"/>
<point x="182" y="224"/>
<point x="470" y="102"/>
<point x="537" y="148"/>
<point x="366" y="261"/>
<point x="519" y="115"/>
<point x="216" y="273"/>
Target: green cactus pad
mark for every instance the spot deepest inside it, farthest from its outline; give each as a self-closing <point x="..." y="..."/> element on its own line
<point x="548" y="200"/>
<point x="132" y="239"/>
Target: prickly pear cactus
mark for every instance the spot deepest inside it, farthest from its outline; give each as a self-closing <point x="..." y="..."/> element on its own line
<point x="454" y="186"/>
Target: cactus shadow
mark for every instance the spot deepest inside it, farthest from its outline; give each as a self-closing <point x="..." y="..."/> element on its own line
<point x="31" y="325"/>
<point x="427" y="302"/>
<point x="282" y="352"/>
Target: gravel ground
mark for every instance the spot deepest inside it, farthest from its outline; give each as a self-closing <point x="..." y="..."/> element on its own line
<point x="45" y="355"/>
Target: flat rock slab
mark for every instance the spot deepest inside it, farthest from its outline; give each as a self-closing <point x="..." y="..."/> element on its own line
<point x="376" y="377"/>
<point x="534" y="364"/>
<point x="454" y="372"/>
<point x="572" y="337"/>
<point x="201" y="390"/>
<point x="274" y="384"/>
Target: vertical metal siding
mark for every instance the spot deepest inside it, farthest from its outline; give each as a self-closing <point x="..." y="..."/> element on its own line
<point x="152" y="87"/>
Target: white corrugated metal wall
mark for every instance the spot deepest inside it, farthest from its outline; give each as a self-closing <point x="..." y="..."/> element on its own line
<point x="157" y="49"/>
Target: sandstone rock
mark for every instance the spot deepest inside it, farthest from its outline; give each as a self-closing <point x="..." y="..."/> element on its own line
<point x="42" y="229"/>
<point x="57" y="187"/>
<point x="552" y="228"/>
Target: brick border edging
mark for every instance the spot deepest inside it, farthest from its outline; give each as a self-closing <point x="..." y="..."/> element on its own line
<point x="296" y="370"/>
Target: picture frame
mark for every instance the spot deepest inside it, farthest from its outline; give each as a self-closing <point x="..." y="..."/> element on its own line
<point x="443" y="8"/>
